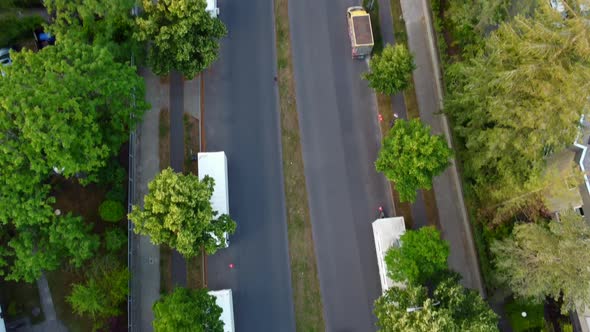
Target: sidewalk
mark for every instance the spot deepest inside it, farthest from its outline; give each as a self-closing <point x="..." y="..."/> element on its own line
<point x="146" y="273"/>
<point x="454" y="221"/>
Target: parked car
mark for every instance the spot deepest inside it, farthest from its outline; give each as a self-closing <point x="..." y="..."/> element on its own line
<point x="5" y="56"/>
<point x="43" y="38"/>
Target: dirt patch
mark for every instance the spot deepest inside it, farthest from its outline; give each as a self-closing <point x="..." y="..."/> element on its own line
<point x="166" y="285"/>
<point x="80" y="200"/>
<point x="304" y="275"/>
<point x="191" y="143"/>
<point x="195" y="272"/>
<point x="164" y="138"/>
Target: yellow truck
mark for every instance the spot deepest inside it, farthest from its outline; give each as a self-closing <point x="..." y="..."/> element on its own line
<point x="360" y="32"/>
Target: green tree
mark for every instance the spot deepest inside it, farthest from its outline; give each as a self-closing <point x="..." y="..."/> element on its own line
<point x="553" y="259"/>
<point x="69" y="107"/>
<point x="453" y="308"/>
<point x="177" y="212"/>
<point x="410" y="156"/>
<point x="101" y="296"/>
<point x="391" y="71"/>
<point x="519" y="101"/>
<point x="420" y="257"/>
<point x="190" y="310"/>
<point x="107" y="24"/>
<point x="38" y="247"/>
<point x="182" y="34"/>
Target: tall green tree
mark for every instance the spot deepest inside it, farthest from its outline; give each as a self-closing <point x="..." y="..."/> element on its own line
<point x="553" y="259"/>
<point x="68" y="107"/>
<point x="177" y="212"/>
<point x="190" y="310"/>
<point x="100" y="297"/>
<point x="182" y="35"/>
<point x="391" y="71"/>
<point x="420" y="257"/>
<point x="452" y="308"/>
<point x="107" y="24"/>
<point x="411" y="156"/>
<point x="519" y="101"/>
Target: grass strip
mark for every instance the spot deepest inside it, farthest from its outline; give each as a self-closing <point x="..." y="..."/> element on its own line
<point x="166" y="285"/>
<point x="372" y="7"/>
<point x="304" y="274"/>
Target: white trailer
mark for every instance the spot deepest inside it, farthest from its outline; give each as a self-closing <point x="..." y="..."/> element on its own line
<point x="387" y="232"/>
<point x="214" y="164"/>
<point x="223" y="298"/>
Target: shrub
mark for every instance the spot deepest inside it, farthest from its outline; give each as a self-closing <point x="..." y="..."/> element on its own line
<point x="117" y="193"/>
<point x="115" y="239"/>
<point x="113" y="173"/>
<point x="112" y="211"/>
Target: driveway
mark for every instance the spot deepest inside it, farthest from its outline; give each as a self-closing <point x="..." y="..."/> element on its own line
<point x="241" y="117"/>
<point x="340" y="139"/>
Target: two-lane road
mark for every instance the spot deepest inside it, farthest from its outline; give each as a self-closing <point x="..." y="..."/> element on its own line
<point x="340" y="139"/>
<point x="241" y="117"/>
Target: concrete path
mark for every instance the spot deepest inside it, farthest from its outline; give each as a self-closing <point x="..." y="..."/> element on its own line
<point x="177" y="159"/>
<point x="51" y="323"/>
<point x="241" y="117"/>
<point x="146" y="268"/>
<point x="454" y="222"/>
<point x="340" y="139"/>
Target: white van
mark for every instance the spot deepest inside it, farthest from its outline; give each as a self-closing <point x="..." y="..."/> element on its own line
<point x="212" y="8"/>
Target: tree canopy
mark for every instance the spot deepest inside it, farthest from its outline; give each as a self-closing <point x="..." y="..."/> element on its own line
<point x="183" y="36"/>
<point x="68" y="107"/>
<point x="177" y="212"/>
<point x="391" y="71"/>
<point x="421" y="255"/>
<point x="540" y="260"/>
<point x="453" y="308"/>
<point x="190" y="310"/>
<point x="411" y="156"/>
<point x="108" y="24"/>
<point x="519" y="101"/>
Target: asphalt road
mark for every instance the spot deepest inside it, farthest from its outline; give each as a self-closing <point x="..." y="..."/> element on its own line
<point x="340" y="139"/>
<point x="241" y="117"/>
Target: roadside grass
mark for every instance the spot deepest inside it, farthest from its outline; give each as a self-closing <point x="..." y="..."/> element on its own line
<point x="164" y="157"/>
<point x="372" y="7"/>
<point x="192" y="146"/>
<point x="304" y="275"/>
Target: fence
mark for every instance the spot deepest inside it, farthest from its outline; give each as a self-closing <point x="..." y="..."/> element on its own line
<point x="131" y="315"/>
